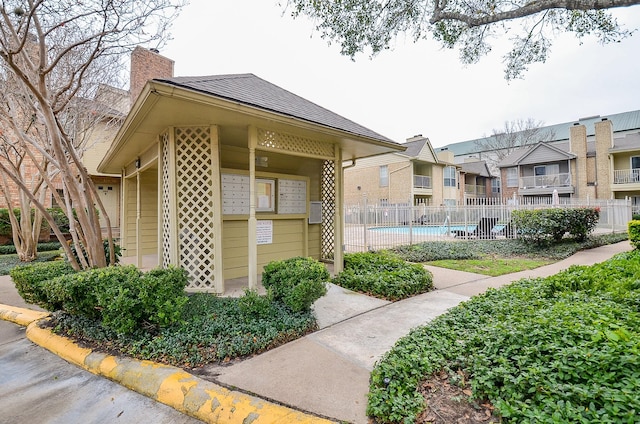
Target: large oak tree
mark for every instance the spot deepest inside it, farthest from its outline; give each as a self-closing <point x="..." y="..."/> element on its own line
<point x="371" y="25"/>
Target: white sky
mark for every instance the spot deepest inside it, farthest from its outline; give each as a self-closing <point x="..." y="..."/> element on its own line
<point x="414" y="88"/>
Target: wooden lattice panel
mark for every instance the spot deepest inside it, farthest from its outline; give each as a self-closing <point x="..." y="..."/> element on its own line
<point x="195" y="205"/>
<point x="328" y="209"/>
<point x="166" y="201"/>
<point x="271" y="140"/>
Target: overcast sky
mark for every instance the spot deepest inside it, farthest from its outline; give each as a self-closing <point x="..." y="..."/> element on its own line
<point x="413" y="88"/>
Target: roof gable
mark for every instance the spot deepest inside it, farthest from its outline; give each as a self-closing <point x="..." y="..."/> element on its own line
<point x="253" y="91"/>
<point x="542" y="153"/>
<point x="476" y="168"/>
<point x="421" y="150"/>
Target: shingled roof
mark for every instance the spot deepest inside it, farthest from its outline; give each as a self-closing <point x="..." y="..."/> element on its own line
<point x="251" y="90"/>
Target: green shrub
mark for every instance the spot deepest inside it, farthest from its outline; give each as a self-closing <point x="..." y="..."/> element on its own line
<point x="634" y="233"/>
<point x="105" y="243"/>
<point x="5" y="221"/>
<point x="60" y="218"/>
<point x="545" y="225"/>
<point x="10" y="249"/>
<point x="28" y="279"/>
<point x="123" y="298"/>
<point x="297" y="282"/>
<point x="254" y="305"/>
<point x="383" y="275"/>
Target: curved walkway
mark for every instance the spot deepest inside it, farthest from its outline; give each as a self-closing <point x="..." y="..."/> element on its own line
<point x="325" y="373"/>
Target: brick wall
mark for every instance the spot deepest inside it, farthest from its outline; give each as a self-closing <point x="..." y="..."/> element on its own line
<point x="604" y="140"/>
<point x="578" y="146"/>
<point x="145" y="65"/>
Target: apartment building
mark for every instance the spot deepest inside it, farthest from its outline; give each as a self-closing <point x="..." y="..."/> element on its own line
<point x="417" y="176"/>
<point x="605" y="165"/>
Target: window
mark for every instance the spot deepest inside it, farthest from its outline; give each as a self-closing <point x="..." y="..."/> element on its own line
<point x="635" y="162"/>
<point x="384" y="176"/>
<point x="495" y="185"/>
<point x="552" y="169"/>
<point x="450" y="176"/>
<point x="512" y="177"/>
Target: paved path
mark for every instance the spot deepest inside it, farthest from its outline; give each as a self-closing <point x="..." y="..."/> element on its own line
<point x="37" y="386"/>
<point x="327" y="372"/>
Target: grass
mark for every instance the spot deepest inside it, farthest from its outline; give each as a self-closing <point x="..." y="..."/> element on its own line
<point x="491" y="266"/>
<point x="498" y="257"/>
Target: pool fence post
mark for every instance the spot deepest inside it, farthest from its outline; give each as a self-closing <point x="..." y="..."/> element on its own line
<point x="364" y="226"/>
<point x="410" y="214"/>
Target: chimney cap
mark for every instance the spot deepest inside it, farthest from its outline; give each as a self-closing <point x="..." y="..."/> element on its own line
<point x="154" y="50"/>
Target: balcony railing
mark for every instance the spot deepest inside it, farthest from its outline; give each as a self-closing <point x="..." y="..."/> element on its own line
<point x="546" y="181"/>
<point x="626" y="176"/>
<point x="479" y="190"/>
<point x="422" y="181"/>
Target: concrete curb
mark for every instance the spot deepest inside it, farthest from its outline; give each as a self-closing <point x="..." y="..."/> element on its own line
<point x="20" y="316"/>
<point x="169" y="385"/>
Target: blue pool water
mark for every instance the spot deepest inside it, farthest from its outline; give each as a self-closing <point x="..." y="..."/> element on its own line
<point x="428" y="230"/>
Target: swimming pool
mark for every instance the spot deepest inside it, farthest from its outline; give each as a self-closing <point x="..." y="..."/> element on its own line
<point x="428" y="230"/>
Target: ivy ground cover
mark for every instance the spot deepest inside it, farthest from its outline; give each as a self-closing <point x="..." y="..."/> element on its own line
<point x="559" y="349"/>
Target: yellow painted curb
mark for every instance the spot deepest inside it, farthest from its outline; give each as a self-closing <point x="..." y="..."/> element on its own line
<point x="20" y="316"/>
<point x="172" y="386"/>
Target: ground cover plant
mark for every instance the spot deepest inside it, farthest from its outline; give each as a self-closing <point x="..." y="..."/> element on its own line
<point x="560" y="349"/>
<point x="147" y="315"/>
<point x="506" y="248"/>
<point x="384" y="275"/>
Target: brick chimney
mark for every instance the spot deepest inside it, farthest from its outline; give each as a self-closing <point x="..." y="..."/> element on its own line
<point x="578" y="146"/>
<point x="147" y="64"/>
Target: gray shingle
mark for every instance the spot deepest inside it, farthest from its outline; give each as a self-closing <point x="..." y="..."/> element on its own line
<point x="253" y="91"/>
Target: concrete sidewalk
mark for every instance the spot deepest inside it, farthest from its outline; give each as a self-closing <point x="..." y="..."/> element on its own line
<point x="327" y="372"/>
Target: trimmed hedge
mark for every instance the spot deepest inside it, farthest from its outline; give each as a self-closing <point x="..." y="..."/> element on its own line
<point x="296" y="282"/>
<point x="123" y="298"/>
<point x="634" y="233"/>
<point x="545" y="225"/>
<point x="29" y="279"/>
<point x="383" y="275"/>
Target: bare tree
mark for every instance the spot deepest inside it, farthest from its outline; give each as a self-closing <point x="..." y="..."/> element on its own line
<point x="514" y="135"/>
<point x="359" y="25"/>
<point x="57" y="52"/>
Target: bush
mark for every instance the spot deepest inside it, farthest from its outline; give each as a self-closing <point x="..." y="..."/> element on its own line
<point x="383" y="275"/>
<point x="545" y="225"/>
<point x="634" y="233"/>
<point x="297" y="282"/>
<point x="10" y="249"/>
<point x="60" y="218"/>
<point x="5" y="221"/>
<point x="28" y="280"/>
<point x="123" y="298"/>
<point x="105" y="243"/>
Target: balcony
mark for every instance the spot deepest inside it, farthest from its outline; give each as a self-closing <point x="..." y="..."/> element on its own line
<point x="475" y="190"/>
<point x="545" y="184"/>
<point x="626" y="179"/>
<point x="626" y="176"/>
<point x="422" y="181"/>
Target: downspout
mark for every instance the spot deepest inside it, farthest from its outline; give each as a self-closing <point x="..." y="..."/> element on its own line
<point x="353" y="163"/>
